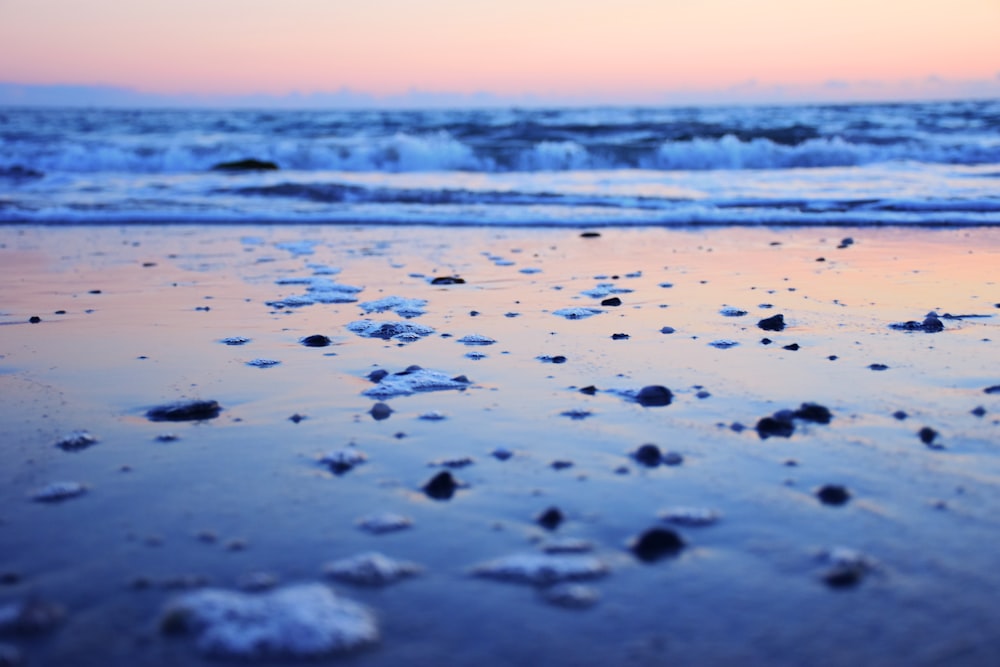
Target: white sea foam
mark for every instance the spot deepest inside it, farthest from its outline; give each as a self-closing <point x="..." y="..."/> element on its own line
<point x="301" y="621"/>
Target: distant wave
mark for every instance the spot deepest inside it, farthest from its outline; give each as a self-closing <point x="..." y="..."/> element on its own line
<point x="440" y="151"/>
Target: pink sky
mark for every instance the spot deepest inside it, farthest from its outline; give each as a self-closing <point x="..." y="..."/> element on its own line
<point x="624" y="50"/>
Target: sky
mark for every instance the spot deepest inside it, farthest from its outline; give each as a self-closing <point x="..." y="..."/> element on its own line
<point x="611" y="51"/>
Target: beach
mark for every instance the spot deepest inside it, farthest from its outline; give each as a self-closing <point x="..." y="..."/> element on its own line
<point x="829" y="476"/>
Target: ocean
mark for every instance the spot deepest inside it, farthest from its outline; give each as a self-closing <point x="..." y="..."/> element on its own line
<point x="888" y="164"/>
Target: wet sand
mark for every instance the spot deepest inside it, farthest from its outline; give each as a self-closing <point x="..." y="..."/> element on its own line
<point x="135" y="317"/>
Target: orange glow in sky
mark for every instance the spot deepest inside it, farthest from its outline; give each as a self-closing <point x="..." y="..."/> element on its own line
<point x="623" y="49"/>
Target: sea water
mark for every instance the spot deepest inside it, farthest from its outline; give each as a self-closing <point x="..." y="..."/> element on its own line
<point x="935" y="163"/>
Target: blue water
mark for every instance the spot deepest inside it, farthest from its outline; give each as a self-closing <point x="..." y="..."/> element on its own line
<point x="853" y="165"/>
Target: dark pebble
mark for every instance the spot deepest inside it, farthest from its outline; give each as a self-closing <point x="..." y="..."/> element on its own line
<point x="296" y="418"/>
<point x="775" y="426"/>
<point x="648" y="455"/>
<point x="978" y="411"/>
<point x="931" y="324"/>
<point x="833" y="494"/>
<point x="846" y="243"/>
<point x="448" y="280"/>
<point x="900" y="415"/>
<point x="773" y="323"/>
<point x="442" y="486"/>
<point x="590" y="235"/>
<point x="380" y="411"/>
<point x="654" y="396"/>
<point x="247" y="164"/>
<point x="766" y="341"/>
<point x="377" y="375"/>
<point x="813" y="412"/>
<point x="843" y="576"/>
<point x="316" y="340"/>
<point x="927" y="436"/>
<point x="832" y="357"/>
<point x="184" y="411"/>
<point x="791" y="348"/>
<point x="995" y="389"/>
<point x="561" y="465"/>
<point x="620" y="336"/>
<point x="546" y="359"/>
<point x="667" y="330"/>
<point x="672" y="459"/>
<point x="34" y="319"/>
<point x="589" y="390"/>
<point x="657" y="543"/>
<point x="878" y="367"/>
<point x="550" y="518"/>
<point x="613" y="301"/>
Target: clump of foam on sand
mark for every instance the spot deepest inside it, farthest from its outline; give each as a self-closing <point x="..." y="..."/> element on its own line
<point x="301" y="621"/>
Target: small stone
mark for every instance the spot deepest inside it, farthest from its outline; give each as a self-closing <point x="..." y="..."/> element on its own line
<point x="654" y="396"/>
<point x="612" y="301"/>
<point x="296" y="418"/>
<point x="448" y="280"/>
<point x="773" y="323"/>
<point x="620" y="336"/>
<point x="194" y="410"/>
<point x="550" y="518"/>
<point x="847" y="567"/>
<point x="813" y="412"/>
<point x="832" y="494"/>
<point x="557" y="359"/>
<point x="561" y="464"/>
<point x="380" y="411"/>
<point x="34" y="319"/>
<point x="370" y="569"/>
<point x="791" y="348"/>
<point x="453" y="463"/>
<point x="766" y="341"/>
<point x="589" y="390"/>
<point x="899" y="415"/>
<point x="501" y="453"/>
<point x="167" y="437"/>
<point x="576" y="414"/>
<point x="590" y="235"/>
<point x="723" y="344"/>
<point x="343" y="460"/>
<point x="672" y="459"/>
<point x="927" y="436"/>
<point x="648" y="455"/>
<point x="995" y="389"/>
<point x="878" y="367"/>
<point x="442" y="486"/>
<point x="316" y="340"/>
<point x="656" y="543"/>
<point x="76" y="441"/>
<point x="730" y="311"/>
<point x="979" y="411"/>
<point x="775" y="426"/>
<point x="667" y="330"/>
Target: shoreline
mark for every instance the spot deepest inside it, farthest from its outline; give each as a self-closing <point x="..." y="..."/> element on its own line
<point x="146" y="307"/>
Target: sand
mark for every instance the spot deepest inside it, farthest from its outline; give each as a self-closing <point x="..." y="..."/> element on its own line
<point x="901" y="569"/>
